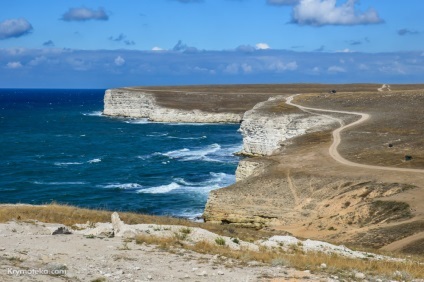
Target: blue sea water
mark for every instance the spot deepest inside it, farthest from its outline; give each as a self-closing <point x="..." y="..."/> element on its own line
<point x="56" y="146"/>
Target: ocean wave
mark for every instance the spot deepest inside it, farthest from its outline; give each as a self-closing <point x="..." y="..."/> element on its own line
<point x="216" y="180"/>
<point x="192" y="123"/>
<point x="193" y="155"/>
<point x="94" y="114"/>
<point x="187" y="138"/>
<point x="67" y="163"/>
<point x="94" y="161"/>
<point x="160" y="189"/>
<point x="157" y="134"/>
<point x="138" y="121"/>
<point x="193" y="215"/>
<point x="60" y="183"/>
<point x="144" y="157"/>
<point x="121" y="186"/>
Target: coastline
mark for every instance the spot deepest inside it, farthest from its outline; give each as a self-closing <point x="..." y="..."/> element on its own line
<point x="288" y="179"/>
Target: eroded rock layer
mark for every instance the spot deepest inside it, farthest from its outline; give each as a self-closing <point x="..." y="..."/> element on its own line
<point x="179" y="106"/>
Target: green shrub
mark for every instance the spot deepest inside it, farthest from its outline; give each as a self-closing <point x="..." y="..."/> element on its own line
<point x="220" y="241"/>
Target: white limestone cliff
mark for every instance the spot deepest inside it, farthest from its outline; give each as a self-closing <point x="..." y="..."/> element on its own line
<point x="264" y="131"/>
<point x="139" y="104"/>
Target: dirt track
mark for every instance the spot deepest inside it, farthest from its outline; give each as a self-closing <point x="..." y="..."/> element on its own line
<point x="337" y="139"/>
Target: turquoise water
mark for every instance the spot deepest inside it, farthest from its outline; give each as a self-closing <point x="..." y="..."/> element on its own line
<point x="56" y="146"/>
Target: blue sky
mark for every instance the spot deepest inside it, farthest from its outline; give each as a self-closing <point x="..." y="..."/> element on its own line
<point x="101" y="44"/>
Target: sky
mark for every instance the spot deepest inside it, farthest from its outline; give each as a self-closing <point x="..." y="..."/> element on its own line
<point x="109" y="43"/>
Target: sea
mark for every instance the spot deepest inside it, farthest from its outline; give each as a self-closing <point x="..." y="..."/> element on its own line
<point x="57" y="147"/>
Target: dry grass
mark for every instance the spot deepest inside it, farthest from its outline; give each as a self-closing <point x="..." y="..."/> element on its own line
<point x="339" y="265"/>
<point x="70" y="215"/>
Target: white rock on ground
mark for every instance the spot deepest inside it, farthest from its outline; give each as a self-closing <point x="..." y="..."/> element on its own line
<point x="287" y="242"/>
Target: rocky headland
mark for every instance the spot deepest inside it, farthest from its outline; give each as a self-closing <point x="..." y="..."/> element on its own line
<point x="289" y="181"/>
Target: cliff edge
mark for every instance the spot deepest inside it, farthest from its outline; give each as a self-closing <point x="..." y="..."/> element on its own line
<point x="289" y="181"/>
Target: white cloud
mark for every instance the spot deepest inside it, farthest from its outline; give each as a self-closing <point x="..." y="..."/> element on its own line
<point x="245" y="48"/>
<point x="246" y="68"/>
<point x="36" y="61"/>
<point x="346" y="50"/>
<point x="280" y="66"/>
<point x="326" y="12"/>
<point x="157" y="49"/>
<point x="85" y="14"/>
<point x="14" y="65"/>
<point x="231" y="69"/>
<point x="262" y="46"/>
<point x="336" y="69"/>
<point x="14" y="28"/>
<point x="119" y="61"/>
<point x="393" y="68"/>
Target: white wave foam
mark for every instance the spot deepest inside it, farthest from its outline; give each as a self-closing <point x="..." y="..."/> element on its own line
<point x="187" y="138"/>
<point x="192" y="123"/>
<point x="94" y="114"/>
<point x="217" y="180"/>
<point x="60" y="183"/>
<point x="160" y="189"/>
<point x="138" y="121"/>
<point x="195" y="216"/>
<point x="144" y="157"/>
<point x="185" y="183"/>
<point x="192" y="155"/>
<point x="157" y="134"/>
<point x="121" y="186"/>
<point x="94" y="161"/>
<point x="67" y="163"/>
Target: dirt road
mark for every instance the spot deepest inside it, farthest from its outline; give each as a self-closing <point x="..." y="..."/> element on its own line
<point x="334" y="153"/>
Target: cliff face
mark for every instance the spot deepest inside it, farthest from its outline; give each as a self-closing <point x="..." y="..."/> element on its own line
<point x="140" y="104"/>
<point x="265" y="128"/>
<point x="125" y="104"/>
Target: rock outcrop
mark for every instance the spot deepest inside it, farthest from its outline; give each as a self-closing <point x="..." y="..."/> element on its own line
<point x="265" y="127"/>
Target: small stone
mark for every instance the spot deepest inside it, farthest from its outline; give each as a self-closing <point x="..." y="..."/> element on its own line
<point x="323" y="266"/>
<point x="2" y="249"/>
<point x="359" y="275"/>
<point x="137" y="268"/>
<point x="203" y="273"/>
<point x="61" y="230"/>
<point x="220" y="272"/>
<point x="149" y="277"/>
<point x="194" y="269"/>
<point x="397" y="273"/>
